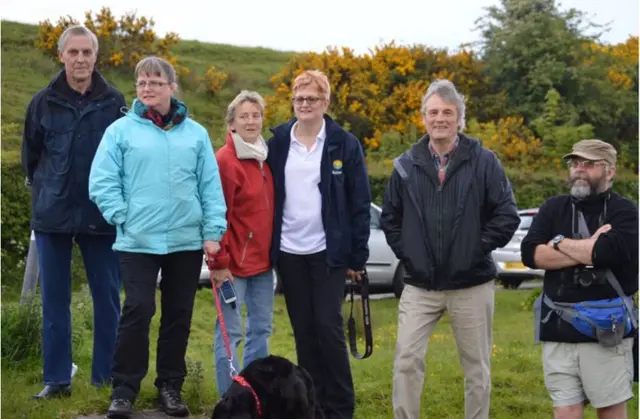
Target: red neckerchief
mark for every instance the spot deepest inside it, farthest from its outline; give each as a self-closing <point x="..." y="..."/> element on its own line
<point x="166" y="122"/>
<point x="244" y="383"/>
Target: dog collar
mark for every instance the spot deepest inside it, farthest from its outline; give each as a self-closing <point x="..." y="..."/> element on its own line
<point x="244" y="383"/>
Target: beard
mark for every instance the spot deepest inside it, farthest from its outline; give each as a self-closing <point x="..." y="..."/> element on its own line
<point x="583" y="187"/>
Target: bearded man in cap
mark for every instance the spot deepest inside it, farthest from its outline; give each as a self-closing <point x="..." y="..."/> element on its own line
<point x="587" y="243"/>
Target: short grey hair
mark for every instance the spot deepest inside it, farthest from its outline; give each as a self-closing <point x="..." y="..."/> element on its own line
<point x="77" y="30"/>
<point x="446" y="90"/>
<point x="243" y="96"/>
<point x="157" y="66"/>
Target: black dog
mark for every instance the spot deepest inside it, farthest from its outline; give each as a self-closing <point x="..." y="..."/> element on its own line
<point x="269" y="388"/>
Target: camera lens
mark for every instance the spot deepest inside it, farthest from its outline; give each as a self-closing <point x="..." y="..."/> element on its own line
<point x="586" y="278"/>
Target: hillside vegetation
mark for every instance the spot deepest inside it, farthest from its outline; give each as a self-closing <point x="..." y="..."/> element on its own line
<point x="26" y="69"/>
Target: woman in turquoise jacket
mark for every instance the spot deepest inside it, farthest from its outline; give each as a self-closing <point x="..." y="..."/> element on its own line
<point x="155" y="178"/>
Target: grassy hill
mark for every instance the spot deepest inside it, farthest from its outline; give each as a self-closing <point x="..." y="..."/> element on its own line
<point x="26" y="69"/>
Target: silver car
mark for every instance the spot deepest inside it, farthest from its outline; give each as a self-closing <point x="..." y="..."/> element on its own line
<point x="384" y="269"/>
<point x="511" y="270"/>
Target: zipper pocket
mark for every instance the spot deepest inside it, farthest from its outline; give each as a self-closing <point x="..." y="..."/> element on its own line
<point x="244" y="250"/>
<point x="264" y="185"/>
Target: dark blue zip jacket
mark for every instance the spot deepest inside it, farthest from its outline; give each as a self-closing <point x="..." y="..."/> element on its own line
<point x="345" y="190"/>
<point x="59" y="141"/>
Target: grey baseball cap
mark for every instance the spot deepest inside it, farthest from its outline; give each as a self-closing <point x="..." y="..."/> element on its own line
<point x="593" y="150"/>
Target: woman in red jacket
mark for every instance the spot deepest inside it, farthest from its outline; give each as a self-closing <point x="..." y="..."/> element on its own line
<point x="244" y="255"/>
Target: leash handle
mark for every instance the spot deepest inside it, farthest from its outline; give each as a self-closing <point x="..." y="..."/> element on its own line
<point x="363" y="286"/>
<point x="223" y="326"/>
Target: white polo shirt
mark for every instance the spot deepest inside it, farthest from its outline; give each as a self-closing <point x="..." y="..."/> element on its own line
<point x="302" y="228"/>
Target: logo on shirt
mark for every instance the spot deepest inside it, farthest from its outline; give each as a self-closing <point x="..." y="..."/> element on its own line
<point x="337" y="167"/>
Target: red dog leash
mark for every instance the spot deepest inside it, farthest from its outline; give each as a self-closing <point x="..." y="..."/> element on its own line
<point x="225" y="336"/>
<point x="223" y="326"/>
<point x="244" y="383"/>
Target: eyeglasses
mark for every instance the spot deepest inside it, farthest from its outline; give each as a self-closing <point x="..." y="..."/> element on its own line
<point x="311" y="100"/>
<point x="585" y="164"/>
<point x="153" y="84"/>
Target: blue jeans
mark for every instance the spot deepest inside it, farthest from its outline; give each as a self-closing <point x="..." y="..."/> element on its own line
<point x="256" y="293"/>
<point x="103" y="275"/>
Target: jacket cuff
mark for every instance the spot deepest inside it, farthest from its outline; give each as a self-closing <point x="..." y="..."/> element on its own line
<point x="214" y="235"/>
<point x="356" y="265"/>
<point x="219" y="262"/>
<point x="119" y="217"/>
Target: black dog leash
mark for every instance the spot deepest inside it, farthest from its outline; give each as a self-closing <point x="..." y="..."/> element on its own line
<point x="363" y="289"/>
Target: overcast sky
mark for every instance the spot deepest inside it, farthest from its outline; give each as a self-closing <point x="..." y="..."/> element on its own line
<point x="313" y="25"/>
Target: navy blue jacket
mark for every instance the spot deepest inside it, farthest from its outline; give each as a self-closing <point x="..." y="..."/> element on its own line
<point x="346" y="194"/>
<point x="61" y="135"/>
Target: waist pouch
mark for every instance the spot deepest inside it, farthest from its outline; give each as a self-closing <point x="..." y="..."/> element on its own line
<point x="606" y="321"/>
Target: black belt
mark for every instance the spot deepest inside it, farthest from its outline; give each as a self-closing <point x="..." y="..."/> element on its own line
<point x="362" y="288"/>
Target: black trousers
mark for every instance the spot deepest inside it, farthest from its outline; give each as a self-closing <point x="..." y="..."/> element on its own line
<point x="180" y="276"/>
<point x="314" y="294"/>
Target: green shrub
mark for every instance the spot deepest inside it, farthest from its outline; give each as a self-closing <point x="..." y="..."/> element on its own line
<point x="21" y="333"/>
<point x="22" y="328"/>
<point x="194" y="392"/>
<point x="527" y="303"/>
<point x="15" y="223"/>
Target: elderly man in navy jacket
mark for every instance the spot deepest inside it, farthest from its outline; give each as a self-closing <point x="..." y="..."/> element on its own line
<point x="63" y="127"/>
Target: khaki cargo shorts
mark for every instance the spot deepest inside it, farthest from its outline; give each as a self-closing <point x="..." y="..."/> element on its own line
<point x="588" y="372"/>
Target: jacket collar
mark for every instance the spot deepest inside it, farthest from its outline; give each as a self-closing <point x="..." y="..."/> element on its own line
<point x="99" y="85"/>
<point x="283" y="131"/>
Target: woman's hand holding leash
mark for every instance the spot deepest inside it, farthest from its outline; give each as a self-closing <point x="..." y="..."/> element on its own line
<point x="210" y="248"/>
<point x="354" y="275"/>
<point x="221" y="275"/>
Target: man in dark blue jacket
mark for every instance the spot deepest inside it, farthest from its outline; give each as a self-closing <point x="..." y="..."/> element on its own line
<point x="447" y="206"/>
<point x="63" y="127"/>
<point x="320" y="235"/>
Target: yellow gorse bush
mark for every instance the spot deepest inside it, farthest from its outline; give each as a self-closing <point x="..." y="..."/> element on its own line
<point x="512" y="141"/>
<point x="122" y="42"/>
<point x="214" y="80"/>
<point x="381" y="92"/>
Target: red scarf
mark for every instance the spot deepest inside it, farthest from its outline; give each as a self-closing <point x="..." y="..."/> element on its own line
<point x="166" y="122"/>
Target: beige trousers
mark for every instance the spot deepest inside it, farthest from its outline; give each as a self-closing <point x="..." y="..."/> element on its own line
<point x="471" y="313"/>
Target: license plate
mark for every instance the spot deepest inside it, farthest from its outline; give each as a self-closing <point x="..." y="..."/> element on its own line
<point x="514" y="265"/>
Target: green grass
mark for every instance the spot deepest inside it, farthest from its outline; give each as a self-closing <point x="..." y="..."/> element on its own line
<point x="518" y="387"/>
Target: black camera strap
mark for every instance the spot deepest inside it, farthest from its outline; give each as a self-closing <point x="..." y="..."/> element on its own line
<point x="583" y="229"/>
<point x="362" y="287"/>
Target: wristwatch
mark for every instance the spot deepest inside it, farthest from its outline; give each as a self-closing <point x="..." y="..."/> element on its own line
<point x="556" y="241"/>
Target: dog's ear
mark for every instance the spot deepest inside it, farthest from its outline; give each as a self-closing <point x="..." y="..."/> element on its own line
<point x="237" y="403"/>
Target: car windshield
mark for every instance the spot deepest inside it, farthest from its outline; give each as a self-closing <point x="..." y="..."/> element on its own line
<point x="525" y="222"/>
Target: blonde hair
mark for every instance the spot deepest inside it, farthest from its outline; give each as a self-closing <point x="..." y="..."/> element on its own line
<point x="310" y="77"/>
<point x="244" y="96"/>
